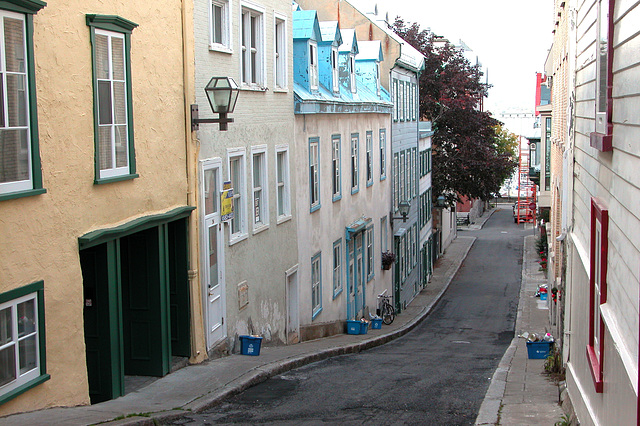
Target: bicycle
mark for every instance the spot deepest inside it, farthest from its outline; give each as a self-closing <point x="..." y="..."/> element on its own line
<point x="387" y="311"/>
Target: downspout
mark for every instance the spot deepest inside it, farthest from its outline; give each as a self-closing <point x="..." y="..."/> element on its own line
<point x="192" y="152"/>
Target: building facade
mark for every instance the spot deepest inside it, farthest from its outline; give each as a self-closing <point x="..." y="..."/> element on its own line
<point x="250" y="42"/>
<point x="94" y="281"/>
<point x="603" y="247"/>
<point x="343" y="118"/>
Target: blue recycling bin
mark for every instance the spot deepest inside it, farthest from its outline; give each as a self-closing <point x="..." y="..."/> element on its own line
<point x="250" y="345"/>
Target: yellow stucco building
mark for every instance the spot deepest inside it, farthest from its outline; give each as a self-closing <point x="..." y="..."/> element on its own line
<point x="97" y="184"/>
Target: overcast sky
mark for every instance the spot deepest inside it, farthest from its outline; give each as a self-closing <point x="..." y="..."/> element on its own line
<point x="510" y="37"/>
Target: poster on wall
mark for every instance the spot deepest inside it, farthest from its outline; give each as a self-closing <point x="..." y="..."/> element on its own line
<point x="226" y="202"/>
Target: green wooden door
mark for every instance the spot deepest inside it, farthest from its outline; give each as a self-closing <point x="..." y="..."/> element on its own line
<point x="101" y="322"/>
<point x="179" y="306"/>
<point x="142" y="304"/>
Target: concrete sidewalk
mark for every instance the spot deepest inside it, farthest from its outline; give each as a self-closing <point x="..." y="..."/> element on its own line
<point x="520" y="393"/>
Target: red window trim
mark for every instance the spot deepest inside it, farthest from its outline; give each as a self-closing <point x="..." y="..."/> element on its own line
<point x="604" y="142"/>
<point x="600" y="213"/>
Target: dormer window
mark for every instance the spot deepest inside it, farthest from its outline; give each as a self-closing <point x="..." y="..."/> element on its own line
<point x="313" y="66"/>
<point x="334" y="69"/>
<point x="352" y="72"/>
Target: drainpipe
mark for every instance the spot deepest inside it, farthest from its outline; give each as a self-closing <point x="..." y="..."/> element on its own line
<point x="198" y="352"/>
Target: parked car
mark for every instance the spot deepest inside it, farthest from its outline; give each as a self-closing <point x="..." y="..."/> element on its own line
<point x="521" y="209"/>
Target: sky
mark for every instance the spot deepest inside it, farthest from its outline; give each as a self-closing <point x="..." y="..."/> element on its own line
<point x="510" y="37"/>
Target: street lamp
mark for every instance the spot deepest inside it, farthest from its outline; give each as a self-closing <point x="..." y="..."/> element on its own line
<point x="222" y="93"/>
<point x="403" y="209"/>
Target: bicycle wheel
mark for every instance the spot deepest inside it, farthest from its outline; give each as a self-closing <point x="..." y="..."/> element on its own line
<point x="388" y="313"/>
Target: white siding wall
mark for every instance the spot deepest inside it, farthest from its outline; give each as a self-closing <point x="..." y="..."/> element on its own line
<point x="612" y="177"/>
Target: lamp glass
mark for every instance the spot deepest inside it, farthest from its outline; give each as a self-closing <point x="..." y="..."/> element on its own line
<point x="222" y="93"/>
<point x="403" y="208"/>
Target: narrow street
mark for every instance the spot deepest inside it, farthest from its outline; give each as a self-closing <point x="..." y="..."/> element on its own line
<point x="437" y="374"/>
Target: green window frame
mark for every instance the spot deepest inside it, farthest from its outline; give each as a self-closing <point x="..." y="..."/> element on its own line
<point x="314" y="174"/>
<point x="370" y="256"/>
<point x="20" y="169"/>
<point x="355" y="162"/>
<point x="336" y="167"/>
<point x="22" y="340"/>
<point x="115" y="158"/>
<point x="337" y="268"/>
<point x="369" y="157"/>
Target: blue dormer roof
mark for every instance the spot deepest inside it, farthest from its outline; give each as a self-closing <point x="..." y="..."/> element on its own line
<point x="330" y="33"/>
<point x="305" y="25"/>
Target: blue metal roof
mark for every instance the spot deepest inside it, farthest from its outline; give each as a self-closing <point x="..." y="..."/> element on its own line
<point x="305" y="25"/>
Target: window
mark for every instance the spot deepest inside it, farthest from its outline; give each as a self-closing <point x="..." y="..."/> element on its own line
<point x="352" y="73"/>
<point x="335" y="167"/>
<point x="598" y="289"/>
<point x="314" y="174"/>
<point x="237" y="167"/>
<point x="252" y="48"/>
<point x="383" y="154"/>
<point x="316" y="286"/>
<point x="219" y="28"/>
<point x="283" y="193"/>
<point x="22" y="340"/>
<point x="20" y="172"/>
<point x="115" y="157"/>
<point x="396" y="104"/>
<point x="403" y="168"/>
<point x="401" y="112"/>
<point x="259" y="184"/>
<point x="547" y="154"/>
<point x="313" y="65"/>
<point x="396" y="181"/>
<point x="354" y="163"/>
<point x="414" y="176"/>
<point x="334" y="69"/>
<point x="409" y="101"/>
<point x="337" y="268"/>
<point x="369" y="148"/>
<point x="280" y="48"/>
<point x="602" y="137"/>
<point x="378" y="78"/>
<point x="384" y="234"/>
<point x="415" y="102"/>
<point x="369" y="242"/>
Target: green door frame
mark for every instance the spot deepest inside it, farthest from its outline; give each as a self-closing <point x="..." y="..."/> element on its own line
<point x="106" y="242"/>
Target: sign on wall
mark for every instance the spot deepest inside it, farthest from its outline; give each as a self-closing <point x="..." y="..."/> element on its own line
<point x="226" y="202"/>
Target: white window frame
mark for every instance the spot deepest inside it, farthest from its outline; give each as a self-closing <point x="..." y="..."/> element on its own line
<point x="239" y="193"/>
<point x="336" y="160"/>
<point x="248" y="10"/>
<point x="260" y="212"/>
<point x="383" y="153"/>
<point x="314" y="173"/>
<point x="369" y="157"/>
<point x="370" y="269"/>
<point x="280" y="51"/>
<point x="115" y="171"/>
<point x="27" y="184"/>
<point x="226" y="42"/>
<point x="285" y="184"/>
<point x="335" y="67"/>
<point x="602" y="65"/>
<point x="313" y="65"/>
<point x="37" y="374"/>
<point x="337" y="267"/>
<point x="316" y="285"/>
<point x="355" y="166"/>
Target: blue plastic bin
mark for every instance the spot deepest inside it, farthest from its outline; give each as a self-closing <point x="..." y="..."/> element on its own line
<point x="543" y="296"/>
<point x="376" y="323"/>
<point x="250" y="345"/>
<point x="353" y="327"/>
<point x="539" y="350"/>
<point x="364" y="327"/>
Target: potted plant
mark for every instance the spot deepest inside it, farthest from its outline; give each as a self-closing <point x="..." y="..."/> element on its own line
<point x="387" y="259"/>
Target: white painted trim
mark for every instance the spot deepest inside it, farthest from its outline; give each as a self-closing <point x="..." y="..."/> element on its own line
<point x="583" y="253"/>
<point x="572" y="377"/>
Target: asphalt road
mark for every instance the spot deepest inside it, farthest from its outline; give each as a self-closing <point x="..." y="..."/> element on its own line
<point x="437" y="374"/>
